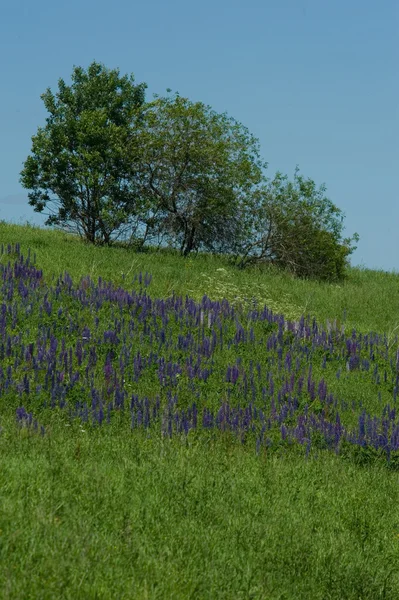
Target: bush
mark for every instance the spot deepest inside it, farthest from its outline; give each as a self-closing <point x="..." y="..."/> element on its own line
<point x="315" y="254"/>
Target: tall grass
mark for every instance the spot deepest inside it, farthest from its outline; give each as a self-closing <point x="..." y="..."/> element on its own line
<point x="266" y="496"/>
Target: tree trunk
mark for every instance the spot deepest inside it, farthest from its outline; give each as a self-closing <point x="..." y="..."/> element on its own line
<point x="188" y="243"/>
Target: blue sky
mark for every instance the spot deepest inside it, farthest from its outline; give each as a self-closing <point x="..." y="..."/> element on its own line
<point x="316" y="82"/>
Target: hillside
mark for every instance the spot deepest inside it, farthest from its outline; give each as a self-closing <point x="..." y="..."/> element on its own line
<point x="179" y="428"/>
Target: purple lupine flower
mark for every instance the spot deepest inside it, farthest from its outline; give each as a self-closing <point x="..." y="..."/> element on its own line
<point x="25" y="419"/>
<point x="232" y="374"/>
<point x="170" y="424"/>
<point x="362" y="430"/>
<point x="271" y="390"/>
<point x="207" y="419"/>
<point x="309" y="378"/>
<point x="100" y="414"/>
<point x="108" y="370"/>
<point x="322" y="390"/>
<point x="353" y="362"/>
<point x="79" y="352"/>
<point x="8" y="346"/>
<point x="273" y="412"/>
<point x="193" y="415"/>
<point x="365" y="364"/>
<point x="308" y="446"/>
<point x="85" y="413"/>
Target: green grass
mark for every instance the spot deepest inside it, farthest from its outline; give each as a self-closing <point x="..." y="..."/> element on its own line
<point x="107" y="512"/>
<point x="85" y="515"/>
<point x="367" y="301"/>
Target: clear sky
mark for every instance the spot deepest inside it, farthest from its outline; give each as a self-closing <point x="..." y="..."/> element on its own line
<point x="316" y="81"/>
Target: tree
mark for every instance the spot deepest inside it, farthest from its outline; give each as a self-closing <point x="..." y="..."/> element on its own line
<point x="294" y="226"/>
<point x="79" y="156"/>
<point x="193" y="167"/>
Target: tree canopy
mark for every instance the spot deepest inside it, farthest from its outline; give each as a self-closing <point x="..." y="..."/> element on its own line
<point x="194" y="165"/>
<point x="294" y="225"/>
<point x="108" y="164"/>
<point x="79" y="155"/>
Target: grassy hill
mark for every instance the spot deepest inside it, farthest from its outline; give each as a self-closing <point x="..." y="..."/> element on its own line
<point x="176" y="428"/>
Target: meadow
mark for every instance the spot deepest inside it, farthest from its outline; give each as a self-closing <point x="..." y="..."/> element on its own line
<point x="177" y="428"/>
